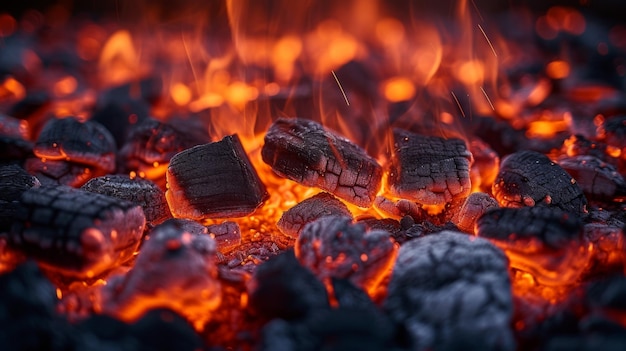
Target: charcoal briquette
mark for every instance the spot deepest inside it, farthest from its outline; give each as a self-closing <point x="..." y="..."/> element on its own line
<point x="528" y="178"/>
<point x="175" y="269"/>
<point x="334" y="247"/>
<point x="472" y="208"/>
<point x="320" y="205"/>
<point x="544" y="241"/>
<point x="448" y="289"/>
<point x="139" y="191"/>
<point x="76" y="233"/>
<point x="597" y="179"/>
<point x="305" y="152"/>
<point x="429" y="170"/>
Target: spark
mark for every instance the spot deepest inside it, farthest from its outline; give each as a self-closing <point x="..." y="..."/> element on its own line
<point x="478" y="11"/>
<point x="193" y="70"/>
<point x="458" y="103"/>
<point x="488" y="41"/>
<point x="341" y="88"/>
<point x="488" y="99"/>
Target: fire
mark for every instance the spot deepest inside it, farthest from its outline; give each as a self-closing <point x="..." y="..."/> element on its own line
<point x="119" y="60"/>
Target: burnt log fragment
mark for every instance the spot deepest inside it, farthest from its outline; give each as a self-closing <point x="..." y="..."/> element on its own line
<point x="283" y="288"/>
<point x="87" y="143"/>
<point x="175" y="269"/>
<point x="546" y="242"/>
<point x="528" y="178"/>
<point x="597" y="179"/>
<point x="472" y="208"/>
<point x="429" y="170"/>
<point x="227" y="235"/>
<point x="334" y="247"/>
<point x="307" y="211"/>
<point x="76" y="233"/>
<point x="151" y="144"/>
<point x="14" y="140"/>
<point x="305" y="152"/>
<point x="451" y="289"/>
<point x="139" y="191"/>
<point x="214" y="180"/>
<point x="13" y="182"/>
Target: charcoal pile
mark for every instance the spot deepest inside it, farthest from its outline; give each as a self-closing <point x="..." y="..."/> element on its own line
<point x="417" y="181"/>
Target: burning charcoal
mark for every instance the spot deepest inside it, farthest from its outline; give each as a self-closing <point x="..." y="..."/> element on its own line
<point x="214" y="180"/>
<point x="76" y="233"/>
<point x="164" y="330"/>
<point x="613" y="131"/>
<point x="451" y="291"/>
<point x="399" y="208"/>
<point x="187" y="225"/>
<point x="411" y="230"/>
<point x="333" y="247"/>
<point x="13" y="182"/>
<point x="227" y="235"/>
<point x="282" y="288"/>
<point x="544" y="241"/>
<point x="139" y="191"/>
<point x="528" y="178"/>
<point x="303" y="151"/>
<point x="14" y="144"/>
<point x="59" y="172"/>
<point x="474" y="206"/>
<point x="578" y="145"/>
<point x="151" y="144"/>
<point x="174" y="269"/>
<point x="318" y="206"/>
<point x="597" y="179"/>
<point x="608" y="251"/>
<point x="485" y="166"/>
<point x="429" y="170"/>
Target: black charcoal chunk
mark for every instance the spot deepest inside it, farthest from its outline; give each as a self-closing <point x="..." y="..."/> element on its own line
<point x="306" y="152"/>
<point x="283" y="288"/>
<point x="320" y="205"/>
<point x="428" y="169"/>
<point x="227" y="235"/>
<point x="597" y="179"/>
<point x="528" y="178"/>
<point x="175" y="269"/>
<point x="76" y="233"/>
<point x="613" y="131"/>
<point x="334" y="247"/>
<point x="14" y="143"/>
<point x="13" y="182"/>
<point x="87" y="143"/>
<point x="451" y="289"/>
<point x="139" y="191"/>
<point x="544" y="241"/>
<point x="472" y="208"/>
<point x="165" y="330"/>
<point x="215" y="180"/>
<point x="59" y="172"/>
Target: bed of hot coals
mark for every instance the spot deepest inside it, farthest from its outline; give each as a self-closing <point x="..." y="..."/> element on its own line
<point x="303" y="202"/>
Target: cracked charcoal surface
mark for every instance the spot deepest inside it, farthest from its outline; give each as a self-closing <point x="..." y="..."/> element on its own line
<point x="303" y="151"/>
<point x="597" y="179"/>
<point x="227" y="235"/>
<point x="59" y="172"/>
<point x="174" y="269"/>
<point x="283" y="288"/>
<point x="139" y="191"/>
<point x="450" y="289"/>
<point x="608" y="251"/>
<point x="13" y="182"/>
<point x="76" y="233"/>
<point x="473" y="207"/>
<point x="320" y="205"/>
<point x="528" y="178"/>
<point x="214" y="180"/>
<point x="334" y="247"/>
<point x="429" y="170"/>
<point x="87" y="143"/>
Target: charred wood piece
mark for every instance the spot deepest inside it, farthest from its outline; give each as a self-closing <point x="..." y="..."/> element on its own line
<point x="451" y="289"/>
<point x="139" y="191"/>
<point x="76" y="233"/>
<point x="13" y="182"/>
<point x="429" y="170"/>
<point x="227" y="235"/>
<point x="546" y="242"/>
<point x="59" y="172"/>
<point x="307" y="211"/>
<point x="14" y="143"/>
<point x="528" y="178"/>
<point x="334" y="247"/>
<point x="598" y="180"/>
<point x="214" y="180"/>
<point x="86" y="143"/>
<point x="472" y="208"/>
<point x="151" y="144"/>
<point x="283" y="288"/>
<point x="303" y="151"/>
<point x="175" y="269"/>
